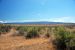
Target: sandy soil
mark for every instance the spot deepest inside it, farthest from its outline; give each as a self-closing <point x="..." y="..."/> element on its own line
<point x="8" y="42"/>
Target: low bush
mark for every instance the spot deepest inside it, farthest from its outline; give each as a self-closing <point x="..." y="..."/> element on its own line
<point x="32" y="33"/>
<point x="64" y="39"/>
<point x="4" y="28"/>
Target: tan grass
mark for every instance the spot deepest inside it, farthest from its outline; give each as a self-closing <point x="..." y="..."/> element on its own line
<point x="8" y="43"/>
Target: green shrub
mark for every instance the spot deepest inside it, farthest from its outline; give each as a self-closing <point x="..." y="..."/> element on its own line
<point x="47" y="35"/>
<point x="32" y="33"/>
<point x="4" y="28"/>
<point x="64" y="38"/>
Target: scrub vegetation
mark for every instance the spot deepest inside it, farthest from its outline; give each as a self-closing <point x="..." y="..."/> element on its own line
<point x="61" y="37"/>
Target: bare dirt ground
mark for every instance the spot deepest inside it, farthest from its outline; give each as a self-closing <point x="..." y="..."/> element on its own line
<point x="8" y="42"/>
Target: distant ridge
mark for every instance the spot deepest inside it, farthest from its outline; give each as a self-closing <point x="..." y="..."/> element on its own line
<point x="41" y="22"/>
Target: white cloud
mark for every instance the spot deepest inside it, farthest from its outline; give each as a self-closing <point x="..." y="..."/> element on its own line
<point x="63" y="19"/>
<point x="57" y="19"/>
<point x="1" y="21"/>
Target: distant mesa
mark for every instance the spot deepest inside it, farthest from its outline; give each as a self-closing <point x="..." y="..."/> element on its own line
<point x="41" y="22"/>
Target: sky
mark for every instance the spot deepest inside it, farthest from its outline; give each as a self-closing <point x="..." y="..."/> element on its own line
<point x="37" y="10"/>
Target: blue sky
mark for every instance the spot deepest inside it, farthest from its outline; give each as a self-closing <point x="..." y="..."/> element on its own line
<point x="37" y="10"/>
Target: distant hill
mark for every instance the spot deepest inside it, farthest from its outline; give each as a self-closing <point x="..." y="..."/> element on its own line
<point x="41" y="22"/>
